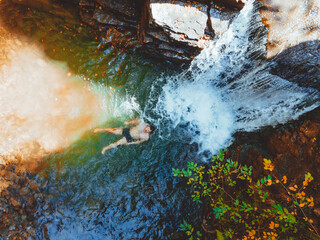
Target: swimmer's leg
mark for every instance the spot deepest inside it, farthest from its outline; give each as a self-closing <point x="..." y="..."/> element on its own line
<point x="122" y="141"/>
<point x="116" y="131"/>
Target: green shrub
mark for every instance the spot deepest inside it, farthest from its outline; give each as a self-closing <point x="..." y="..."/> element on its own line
<point x="242" y="208"/>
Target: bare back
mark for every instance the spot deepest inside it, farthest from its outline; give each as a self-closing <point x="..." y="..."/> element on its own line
<point x="138" y="132"/>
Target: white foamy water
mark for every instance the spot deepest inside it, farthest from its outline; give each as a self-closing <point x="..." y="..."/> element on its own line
<point x="199" y="107"/>
<point x="113" y="104"/>
<point x="228" y="88"/>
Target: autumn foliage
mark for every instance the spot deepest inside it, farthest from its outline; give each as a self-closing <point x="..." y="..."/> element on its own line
<point x="245" y="208"/>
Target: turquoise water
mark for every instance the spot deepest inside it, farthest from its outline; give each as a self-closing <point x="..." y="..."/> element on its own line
<point x="128" y="193"/>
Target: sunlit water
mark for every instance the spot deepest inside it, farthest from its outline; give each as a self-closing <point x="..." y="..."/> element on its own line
<point x="130" y="193"/>
<point x="44" y="107"/>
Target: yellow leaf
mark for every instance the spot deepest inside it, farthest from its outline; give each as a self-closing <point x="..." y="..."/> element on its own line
<point x="302" y="204"/>
<point x="292" y="189"/>
<point x="271" y="225"/>
<point x="267" y="165"/>
<point x="284" y="179"/>
<point x="269" y="182"/>
<point x="310" y="199"/>
<point x="252" y="233"/>
<point x="311" y="204"/>
<point x="266" y="161"/>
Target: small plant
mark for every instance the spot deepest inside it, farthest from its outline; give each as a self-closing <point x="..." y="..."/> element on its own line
<point x="189" y="230"/>
<point x="238" y="201"/>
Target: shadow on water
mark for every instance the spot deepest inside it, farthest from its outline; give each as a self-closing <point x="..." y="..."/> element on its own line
<point x="128" y="193"/>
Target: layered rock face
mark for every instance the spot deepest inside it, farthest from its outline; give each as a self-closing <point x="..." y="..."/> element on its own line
<point x="294" y="40"/>
<point x="300" y="64"/>
<point x="176" y="31"/>
<point x="170" y="30"/>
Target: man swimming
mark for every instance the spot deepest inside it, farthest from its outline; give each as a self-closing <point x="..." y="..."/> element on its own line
<point x="134" y="135"/>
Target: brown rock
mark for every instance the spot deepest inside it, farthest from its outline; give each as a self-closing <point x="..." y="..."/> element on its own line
<point x="130" y="25"/>
<point x="317" y="211"/>
<point x="33" y="185"/>
<point x="30" y="202"/>
<point x="8" y="175"/>
<point x="15" y="202"/>
<point x="24" y="191"/>
<point x="230" y="4"/>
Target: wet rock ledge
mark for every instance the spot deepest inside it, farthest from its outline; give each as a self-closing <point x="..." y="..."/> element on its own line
<point x="162" y="29"/>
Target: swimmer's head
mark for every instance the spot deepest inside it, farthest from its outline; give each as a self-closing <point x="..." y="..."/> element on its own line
<point x="149" y="129"/>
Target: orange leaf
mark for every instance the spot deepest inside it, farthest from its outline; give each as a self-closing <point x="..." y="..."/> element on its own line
<point x="311" y="204"/>
<point x="284" y="179"/>
<point x="271" y="225"/>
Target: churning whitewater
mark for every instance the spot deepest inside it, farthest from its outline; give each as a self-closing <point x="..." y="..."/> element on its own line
<point x="229" y="88"/>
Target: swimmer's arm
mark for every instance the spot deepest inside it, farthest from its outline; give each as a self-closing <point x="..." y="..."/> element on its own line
<point x="133" y="121"/>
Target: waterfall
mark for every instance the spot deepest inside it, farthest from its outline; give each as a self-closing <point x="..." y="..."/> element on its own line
<point x="228" y="88"/>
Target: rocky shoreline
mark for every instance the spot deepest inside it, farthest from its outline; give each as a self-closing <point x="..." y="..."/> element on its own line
<point x="25" y="201"/>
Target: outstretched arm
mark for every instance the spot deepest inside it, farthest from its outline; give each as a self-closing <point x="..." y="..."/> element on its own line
<point x="133" y="121"/>
<point x="99" y="130"/>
